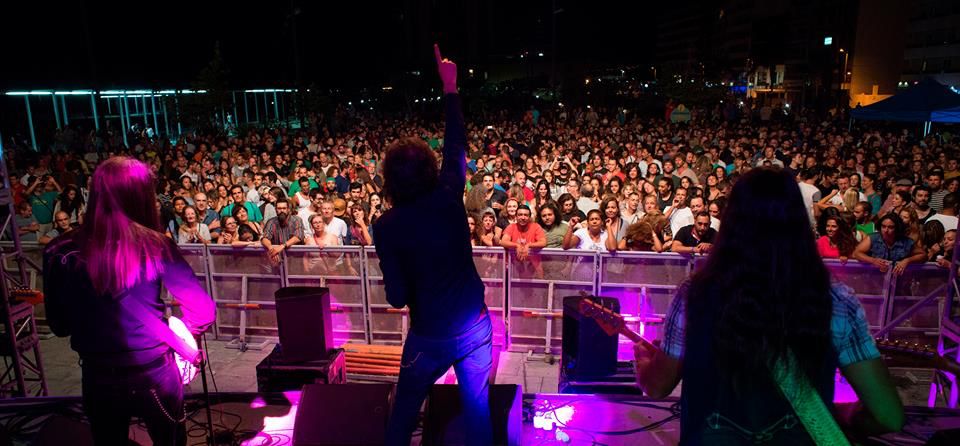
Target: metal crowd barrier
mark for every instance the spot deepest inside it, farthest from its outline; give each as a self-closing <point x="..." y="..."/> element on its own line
<point x="525" y="299"/>
<point x="535" y="291"/>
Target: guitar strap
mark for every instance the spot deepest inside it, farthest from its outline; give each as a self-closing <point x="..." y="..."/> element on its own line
<point x="807" y="404"/>
<point x="139" y="311"/>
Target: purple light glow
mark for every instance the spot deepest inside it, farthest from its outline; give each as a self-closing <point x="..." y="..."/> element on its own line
<point x="275" y="428"/>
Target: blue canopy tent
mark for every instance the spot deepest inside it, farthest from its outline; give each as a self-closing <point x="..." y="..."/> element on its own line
<point x="919" y="103"/>
<point x="947" y="115"/>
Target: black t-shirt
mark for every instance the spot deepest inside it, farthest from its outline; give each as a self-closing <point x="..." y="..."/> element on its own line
<point x="685" y="236"/>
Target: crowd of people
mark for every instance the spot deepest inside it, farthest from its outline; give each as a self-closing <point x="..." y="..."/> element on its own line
<point x="588" y="178"/>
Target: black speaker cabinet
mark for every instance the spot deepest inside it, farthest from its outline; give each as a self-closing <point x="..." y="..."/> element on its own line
<point x="303" y="320"/>
<point x="444" y="422"/>
<point x="588" y="352"/>
<point x="342" y="415"/>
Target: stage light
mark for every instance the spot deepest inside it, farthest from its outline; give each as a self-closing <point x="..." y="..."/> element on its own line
<point x="540" y="54"/>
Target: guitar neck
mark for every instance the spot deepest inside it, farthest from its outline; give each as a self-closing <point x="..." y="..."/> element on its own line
<point x="631" y="335"/>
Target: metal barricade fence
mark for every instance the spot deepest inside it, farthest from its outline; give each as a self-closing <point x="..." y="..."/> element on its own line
<point x="196" y="256"/>
<point x="524" y="298"/>
<point x="645" y="283"/>
<point x="868" y="283"/>
<point x="242" y="283"/>
<point x="340" y="269"/>
<point x="916" y="304"/>
<point x="535" y="291"/>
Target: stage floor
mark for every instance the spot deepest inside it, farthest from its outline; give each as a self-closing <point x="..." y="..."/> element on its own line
<point x="270" y="422"/>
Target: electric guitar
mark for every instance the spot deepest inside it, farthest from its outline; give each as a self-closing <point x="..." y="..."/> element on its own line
<point x="188" y="370"/>
<point x="896" y="353"/>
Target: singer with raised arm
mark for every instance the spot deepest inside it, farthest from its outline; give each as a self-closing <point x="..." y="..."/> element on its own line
<point x="435" y="276"/>
<point x="759" y="331"/>
<point x="102" y="288"/>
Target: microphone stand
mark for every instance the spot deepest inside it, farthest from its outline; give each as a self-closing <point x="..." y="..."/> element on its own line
<point x="211" y="439"/>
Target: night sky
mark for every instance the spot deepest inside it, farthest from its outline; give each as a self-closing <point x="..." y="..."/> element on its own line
<point x="105" y="44"/>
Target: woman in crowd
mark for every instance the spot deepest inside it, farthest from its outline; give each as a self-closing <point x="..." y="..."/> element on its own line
<point x="243" y="221"/>
<point x="945" y="258"/>
<point x="71" y="201"/>
<point x="837" y="240"/>
<point x="640" y="236"/>
<point x="912" y="224"/>
<point x="614" y="187"/>
<point x="933" y="232"/>
<point x="509" y="214"/>
<point x="568" y="208"/>
<point x="653" y="173"/>
<point x="193" y="230"/>
<point x="376" y="207"/>
<point x="593" y="237"/>
<point x="612" y="219"/>
<point x="890" y="246"/>
<point x="320" y="238"/>
<point x="553" y="226"/>
<point x="541" y="195"/>
<point x="712" y="190"/>
<point x="221" y="199"/>
<point x="472" y="225"/>
<point x="176" y="217"/>
<point x="487" y="231"/>
<point x="359" y="228"/>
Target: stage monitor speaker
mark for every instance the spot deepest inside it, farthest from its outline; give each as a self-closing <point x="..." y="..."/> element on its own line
<point x="444" y="422"/>
<point x="588" y="351"/>
<point x="342" y="415"/>
<point x="303" y="320"/>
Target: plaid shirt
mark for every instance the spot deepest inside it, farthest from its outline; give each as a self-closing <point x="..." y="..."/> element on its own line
<point x="851" y="335"/>
<point x="278" y="234"/>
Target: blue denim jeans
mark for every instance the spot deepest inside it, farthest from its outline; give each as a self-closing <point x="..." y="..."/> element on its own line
<point x="154" y="392"/>
<point x="425" y="360"/>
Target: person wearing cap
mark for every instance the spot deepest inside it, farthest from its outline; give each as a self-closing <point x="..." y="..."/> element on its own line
<point x="902" y="185"/>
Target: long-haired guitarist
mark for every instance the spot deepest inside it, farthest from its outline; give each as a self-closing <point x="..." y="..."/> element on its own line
<point x="96" y="278"/>
<point x="760" y="317"/>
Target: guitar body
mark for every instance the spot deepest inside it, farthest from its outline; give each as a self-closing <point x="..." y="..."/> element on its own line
<point x="188" y="370"/>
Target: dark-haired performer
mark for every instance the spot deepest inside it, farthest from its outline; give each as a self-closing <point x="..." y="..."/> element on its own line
<point x="764" y="295"/>
<point x="435" y="275"/>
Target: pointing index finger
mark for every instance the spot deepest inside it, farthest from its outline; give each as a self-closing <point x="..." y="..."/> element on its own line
<point x="436" y="53"/>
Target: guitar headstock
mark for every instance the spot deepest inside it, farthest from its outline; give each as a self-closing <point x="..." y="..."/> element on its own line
<point x="610" y="321"/>
<point x="906" y="354"/>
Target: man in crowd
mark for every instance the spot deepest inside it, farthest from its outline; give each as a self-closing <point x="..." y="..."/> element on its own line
<point x="696" y="238"/>
<point x="664" y="193"/>
<point x="281" y="232"/>
<point x="27" y="225"/>
<point x="921" y="203"/>
<point x="523" y="236"/>
<point x="495" y="198"/>
<point x="937" y="191"/>
<point x="586" y="202"/>
<point x="239" y="199"/>
<point x="679" y="213"/>
<point x="948" y="215"/>
<point x="206" y="215"/>
<point x="334" y="225"/>
<point x="61" y="225"/>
